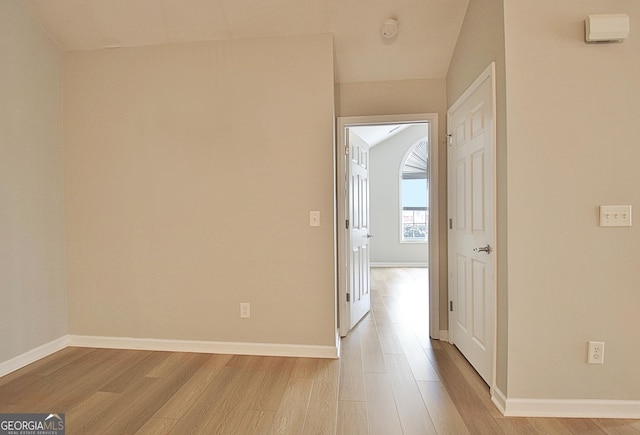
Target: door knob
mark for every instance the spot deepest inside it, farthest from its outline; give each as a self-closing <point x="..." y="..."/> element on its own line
<point x="369" y="236"/>
<point x="486" y="249"/>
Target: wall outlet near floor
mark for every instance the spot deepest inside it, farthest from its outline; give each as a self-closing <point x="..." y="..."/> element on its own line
<point x="596" y="352"/>
<point x="245" y="310"/>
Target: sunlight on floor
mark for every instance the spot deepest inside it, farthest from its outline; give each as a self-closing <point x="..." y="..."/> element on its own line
<point x="404" y="293"/>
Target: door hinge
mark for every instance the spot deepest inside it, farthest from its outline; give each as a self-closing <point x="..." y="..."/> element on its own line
<point x="450" y="305"/>
<point x="347" y="223"/>
<point x="450" y="224"/>
<point x="348" y="298"/>
<point x="450" y="139"/>
<point x="346" y="150"/>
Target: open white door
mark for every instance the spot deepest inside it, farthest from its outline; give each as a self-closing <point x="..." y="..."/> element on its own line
<point x="359" y="295"/>
<point x="471" y="185"/>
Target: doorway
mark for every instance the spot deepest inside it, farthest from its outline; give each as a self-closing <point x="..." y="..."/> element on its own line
<point x="382" y="128"/>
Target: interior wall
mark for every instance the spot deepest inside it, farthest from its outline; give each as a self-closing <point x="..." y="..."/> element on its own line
<point x="408" y="97"/>
<point x="572" y="147"/>
<point x="192" y="169"/>
<point x="385" y="162"/>
<point x="33" y="293"/>
<point x="481" y="42"/>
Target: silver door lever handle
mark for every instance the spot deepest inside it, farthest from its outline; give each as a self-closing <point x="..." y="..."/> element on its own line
<point x="369" y="236"/>
<point x="486" y="249"/>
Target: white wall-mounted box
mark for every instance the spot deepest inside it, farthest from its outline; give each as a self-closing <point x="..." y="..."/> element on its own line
<point x="606" y="27"/>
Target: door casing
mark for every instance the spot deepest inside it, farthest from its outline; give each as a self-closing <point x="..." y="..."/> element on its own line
<point x="434" y="246"/>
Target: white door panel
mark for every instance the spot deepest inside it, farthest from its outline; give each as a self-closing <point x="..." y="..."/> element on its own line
<point x="358" y="169"/>
<point x="471" y="208"/>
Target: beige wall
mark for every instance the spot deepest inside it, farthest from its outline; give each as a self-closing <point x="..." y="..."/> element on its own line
<point x="481" y="42"/>
<point x="572" y="115"/>
<point x="391" y="97"/>
<point x="33" y="294"/>
<point x="407" y="97"/>
<point x="191" y="171"/>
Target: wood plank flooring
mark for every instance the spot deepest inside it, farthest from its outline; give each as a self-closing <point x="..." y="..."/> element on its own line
<point x="391" y="379"/>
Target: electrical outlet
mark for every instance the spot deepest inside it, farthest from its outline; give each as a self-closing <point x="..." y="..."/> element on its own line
<point x="596" y="352"/>
<point x="245" y="310"/>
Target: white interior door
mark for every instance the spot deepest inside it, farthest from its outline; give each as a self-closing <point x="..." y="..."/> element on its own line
<point x="471" y="185"/>
<point x="359" y="295"/>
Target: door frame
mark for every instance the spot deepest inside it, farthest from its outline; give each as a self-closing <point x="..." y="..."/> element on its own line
<point x="488" y="73"/>
<point x="341" y="232"/>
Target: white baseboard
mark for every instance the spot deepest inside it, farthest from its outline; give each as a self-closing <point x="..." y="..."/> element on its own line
<point x="338" y="343"/>
<point x="580" y="408"/>
<point x="386" y="264"/>
<point x="499" y="399"/>
<point x="32" y="355"/>
<point x="262" y="349"/>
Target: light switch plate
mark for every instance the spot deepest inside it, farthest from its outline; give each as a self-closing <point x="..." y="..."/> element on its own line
<point x="245" y="310"/>
<point x="314" y="218"/>
<point x="615" y="215"/>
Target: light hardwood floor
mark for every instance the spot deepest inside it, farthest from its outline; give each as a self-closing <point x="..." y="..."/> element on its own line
<point x="391" y="379"/>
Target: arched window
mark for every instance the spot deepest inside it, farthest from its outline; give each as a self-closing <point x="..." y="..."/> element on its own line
<point x="414" y="193"/>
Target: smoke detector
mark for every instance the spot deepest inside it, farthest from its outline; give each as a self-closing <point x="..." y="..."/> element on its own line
<point x="389" y="28"/>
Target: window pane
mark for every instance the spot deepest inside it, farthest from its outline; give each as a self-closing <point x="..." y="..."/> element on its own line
<point x="414" y="224"/>
<point x="414" y="193"/>
<point x="407" y="217"/>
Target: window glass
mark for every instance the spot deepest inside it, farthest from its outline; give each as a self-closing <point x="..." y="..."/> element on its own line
<point x="414" y="197"/>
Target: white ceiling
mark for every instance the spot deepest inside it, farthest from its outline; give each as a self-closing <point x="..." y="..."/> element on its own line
<point x="376" y="134"/>
<point x="428" y="29"/>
